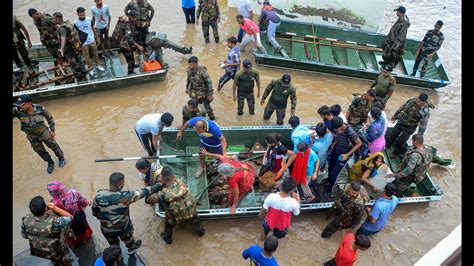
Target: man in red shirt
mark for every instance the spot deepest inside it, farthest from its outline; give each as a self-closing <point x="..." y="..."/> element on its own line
<point x="252" y="33"/>
<point x="346" y="254"/>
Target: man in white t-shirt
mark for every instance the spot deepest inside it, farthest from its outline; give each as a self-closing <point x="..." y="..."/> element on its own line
<point x="279" y="207"/>
<point x="245" y="9"/>
<point x="101" y="23"/>
<point x="87" y="37"/>
<point x="149" y="129"/>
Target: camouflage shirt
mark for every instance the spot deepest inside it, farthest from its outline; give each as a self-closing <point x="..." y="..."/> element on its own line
<point x="280" y="94"/>
<point x="178" y="201"/>
<point x="34" y="123"/>
<point x="112" y="207"/>
<point x="398" y="33"/>
<point x="188" y="115"/>
<point x="125" y="33"/>
<point x="144" y="9"/>
<point x="46" y="234"/>
<point x="349" y="210"/>
<point x="415" y="163"/>
<point x="359" y="109"/>
<point x="199" y="83"/>
<point x="410" y="114"/>
<point x="18" y="36"/>
<point x="47" y="29"/>
<point x="432" y="41"/>
<point x="208" y="10"/>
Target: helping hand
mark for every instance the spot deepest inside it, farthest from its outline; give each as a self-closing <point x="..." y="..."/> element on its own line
<point x="50" y="205"/>
<point x="29" y="44"/>
<point x="179" y="135"/>
<point x="61" y="51"/>
<point x="232" y="210"/>
<point x="210" y="98"/>
<point x="345" y="156"/>
<point x="203" y="151"/>
<point x="53" y="134"/>
<point x="140" y="48"/>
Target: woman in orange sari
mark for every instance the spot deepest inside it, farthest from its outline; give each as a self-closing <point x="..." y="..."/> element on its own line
<point x="240" y="177"/>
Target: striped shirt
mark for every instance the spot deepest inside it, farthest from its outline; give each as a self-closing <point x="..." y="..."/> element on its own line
<point x="345" y="140"/>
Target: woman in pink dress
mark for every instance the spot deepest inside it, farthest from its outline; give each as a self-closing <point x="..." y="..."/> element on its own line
<point x="375" y="133"/>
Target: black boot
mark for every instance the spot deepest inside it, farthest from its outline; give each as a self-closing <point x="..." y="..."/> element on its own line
<point x="50" y="167"/>
<point x="62" y="162"/>
<point x="212" y="117"/>
<point x="133" y="249"/>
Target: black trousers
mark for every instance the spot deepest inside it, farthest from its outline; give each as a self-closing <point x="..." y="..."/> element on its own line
<point x="146" y="141"/>
<point x="190" y="14"/>
<point x="399" y="136"/>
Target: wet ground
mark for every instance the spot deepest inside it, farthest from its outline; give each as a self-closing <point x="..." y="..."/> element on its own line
<point x="100" y="125"/>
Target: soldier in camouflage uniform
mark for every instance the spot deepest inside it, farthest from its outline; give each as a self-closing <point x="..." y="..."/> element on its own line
<point x="414" y="112"/>
<point x="358" y="111"/>
<point x="179" y="204"/>
<point x="414" y="165"/>
<point x="70" y="45"/>
<point x="281" y="89"/>
<point x="143" y="8"/>
<point x="111" y="207"/>
<point x="395" y="41"/>
<point x="209" y="9"/>
<point x="199" y="85"/>
<point x="47" y="30"/>
<point x="126" y="34"/>
<point x="45" y="228"/>
<point x="428" y="47"/>
<point x="20" y="34"/>
<point x="31" y="117"/>
<point x="192" y="109"/>
<point x="349" y="208"/>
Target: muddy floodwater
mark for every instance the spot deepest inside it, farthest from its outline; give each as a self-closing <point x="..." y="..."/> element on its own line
<point x="100" y="125"/>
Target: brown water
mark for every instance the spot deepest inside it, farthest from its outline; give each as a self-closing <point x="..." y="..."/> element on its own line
<point x="100" y="125"/>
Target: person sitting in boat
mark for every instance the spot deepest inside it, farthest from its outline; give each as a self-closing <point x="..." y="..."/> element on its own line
<point x="270" y="17"/>
<point x="240" y="175"/>
<point x="211" y="136"/>
<point x="375" y="133"/>
<point x="273" y="163"/>
<point x="365" y="169"/>
<point x="305" y="169"/>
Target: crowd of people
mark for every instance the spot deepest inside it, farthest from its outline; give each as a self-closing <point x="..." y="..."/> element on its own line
<point x="360" y="134"/>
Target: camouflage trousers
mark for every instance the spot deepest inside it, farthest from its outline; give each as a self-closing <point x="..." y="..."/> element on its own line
<point x="20" y="48"/>
<point x="356" y="127"/>
<point x="36" y="142"/>
<point x="195" y="224"/>
<point x="399" y="136"/>
<point x="75" y="61"/>
<point x="403" y="184"/>
<point x="204" y="101"/>
<point x="421" y="57"/>
<point x="63" y="259"/>
<point x="392" y="56"/>
<point x="332" y="227"/>
<point x="280" y="112"/>
<point x="205" y="30"/>
<point x="142" y="32"/>
<point x="250" y="97"/>
<point x="125" y="234"/>
<point x="128" y="54"/>
<point x="53" y="50"/>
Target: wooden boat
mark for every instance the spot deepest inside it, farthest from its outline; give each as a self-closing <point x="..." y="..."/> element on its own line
<point x="251" y="204"/>
<point x="344" y="52"/>
<point x="115" y="76"/>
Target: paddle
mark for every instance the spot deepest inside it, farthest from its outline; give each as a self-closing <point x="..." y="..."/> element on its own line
<point x="314" y="43"/>
<point x="167" y="156"/>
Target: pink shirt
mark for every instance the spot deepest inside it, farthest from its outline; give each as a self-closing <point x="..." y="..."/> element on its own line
<point x="249" y="27"/>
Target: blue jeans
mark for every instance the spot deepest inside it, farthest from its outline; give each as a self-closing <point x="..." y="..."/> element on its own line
<point x="271" y="33"/>
<point x="365" y="232"/>
<point x="335" y="167"/>
<point x="241" y="35"/>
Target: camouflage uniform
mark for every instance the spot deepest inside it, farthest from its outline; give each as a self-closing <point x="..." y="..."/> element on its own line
<point x="210" y="14"/>
<point x="46" y="235"/>
<point x="180" y="205"/>
<point x="19" y="44"/>
<point x="112" y="209"/>
<point x="199" y="86"/>
<point x="48" y="34"/>
<point x="431" y="43"/>
<point x="278" y="100"/>
<point x="349" y="214"/>
<point x="188" y="115"/>
<point x="126" y="35"/>
<point x="413" y="167"/>
<point x="73" y="49"/>
<point x="143" y="20"/>
<point x="37" y="132"/>
<point x="395" y="41"/>
<point x="409" y="116"/>
<point x="359" y="109"/>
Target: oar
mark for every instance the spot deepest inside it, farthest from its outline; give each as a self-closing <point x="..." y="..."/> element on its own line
<point x="314" y="43"/>
<point x="167" y="156"/>
<point x="358" y="47"/>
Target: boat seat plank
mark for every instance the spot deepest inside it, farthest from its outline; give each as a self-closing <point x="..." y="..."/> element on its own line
<point x="378" y="57"/>
<point x="197" y="184"/>
<point x="408" y="62"/>
<point x="297" y="48"/>
<point x="353" y="58"/>
<point x="325" y="53"/>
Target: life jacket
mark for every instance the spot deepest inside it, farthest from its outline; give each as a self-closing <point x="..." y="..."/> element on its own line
<point x="119" y="34"/>
<point x="359" y="114"/>
<point x="44" y="241"/>
<point x="47" y="30"/>
<point x="420" y="170"/>
<point x="72" y="39"/>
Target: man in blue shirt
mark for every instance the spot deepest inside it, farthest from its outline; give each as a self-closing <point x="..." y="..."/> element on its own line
<point x="189" y="9"/>
<point x="262" y="257"/>
<point x="211" y="137"/>
<point x="231" y="63"/>
<point x="321" y="143"/>
<point x="112" y="255"/>
<point x="299" y="132"/>
<point x="377" y="217"/>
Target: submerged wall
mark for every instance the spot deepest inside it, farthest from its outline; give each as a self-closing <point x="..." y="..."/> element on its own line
<point x="355" y="14"/>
